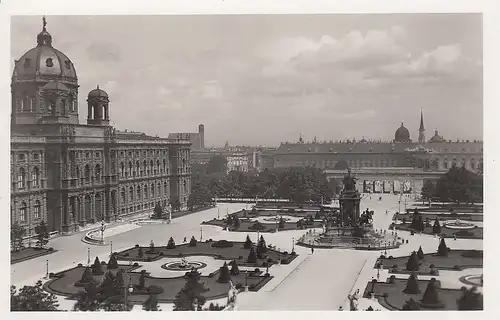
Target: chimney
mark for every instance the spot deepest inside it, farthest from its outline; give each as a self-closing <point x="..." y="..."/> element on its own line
<point x="201" y="131"/>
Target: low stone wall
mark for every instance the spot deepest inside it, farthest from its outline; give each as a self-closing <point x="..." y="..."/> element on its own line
<point x="149" y="221"/>
<point x="93" y="237"/>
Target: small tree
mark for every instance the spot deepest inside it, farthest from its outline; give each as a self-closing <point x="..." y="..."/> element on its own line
<point x="436" y="228"/>
<point x="412" y="284"/>
<point x="190" y="293"/>
<point x="97" y="267"/>
<point x="430" y="298"/>
<point x="142" y="281"/>
<point x="87" y="276"/>
<point x="17" y="233"/>
<point x="281" y="224"/>
<point x="193" y="242"/>
<point x="261" y="247"/>
<point x="234" y="268"/>
<point x="151" y="304"/>
<point x="140" y="253"/>
<point x="442" y="249"/>
<point x="171" y="243"/>
<point x="470" y="299"/>
<point x="87" y="300"/>
<point x="32" y="298"/>
<point x="428" y="190"/>
<point x="157" y="211"/>
<point x="112" y="263"/>
<point x="224" y="275"/>
<point x="252" y="256"/>
<point x="420" y="253"/>
<point x="411" y="305"/>
<point x="413" y="263"/>
<point x="248" y="243"/>
<point x="42" y="237"/>
<point x="152" y="246"/>
<point x="236" y="222"/>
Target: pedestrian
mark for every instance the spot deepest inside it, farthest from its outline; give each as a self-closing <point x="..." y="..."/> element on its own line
<point x="340" y="308"/>
<point x="312" y="250"/>
<point x="185" y="240"/>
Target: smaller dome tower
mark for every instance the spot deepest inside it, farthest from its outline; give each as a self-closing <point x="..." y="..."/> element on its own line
<point x="98" y="107"/>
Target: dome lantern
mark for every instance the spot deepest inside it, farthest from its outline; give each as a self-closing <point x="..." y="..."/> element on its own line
<point x="44" y="38"/>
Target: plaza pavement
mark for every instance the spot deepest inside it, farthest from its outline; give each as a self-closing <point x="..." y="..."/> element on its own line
<point x="319" y="281"/>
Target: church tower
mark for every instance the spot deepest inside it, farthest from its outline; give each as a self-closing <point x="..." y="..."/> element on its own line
<point x="421" y="130"/>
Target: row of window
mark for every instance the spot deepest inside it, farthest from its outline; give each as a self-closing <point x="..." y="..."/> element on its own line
<point x="143" y="192"/>
<point x="37" y="210"/>
<point x="140" y="170"/>
<point x="22" y="156"/>
<point x="145" y="153"/>
<point x="86" y="155"/>
<point x="22" y="178"/>
<point x="28" y="104"/>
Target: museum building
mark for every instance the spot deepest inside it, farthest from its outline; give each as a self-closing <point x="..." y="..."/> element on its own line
<point x="70" y="174"/>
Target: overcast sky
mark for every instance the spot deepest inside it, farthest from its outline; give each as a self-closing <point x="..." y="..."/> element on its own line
<point x="266" y="79"/>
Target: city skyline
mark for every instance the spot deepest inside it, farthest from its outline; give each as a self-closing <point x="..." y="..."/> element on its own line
<point x="262" y="80"/>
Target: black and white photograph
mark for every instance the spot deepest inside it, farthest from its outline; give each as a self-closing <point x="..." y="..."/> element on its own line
<point x="246" y="162"/>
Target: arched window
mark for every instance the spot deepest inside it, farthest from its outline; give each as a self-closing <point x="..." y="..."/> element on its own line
<point x="35" y="177"/>
<point x="122" y="195"/>
<point x="151" y="165"/>
<point x="184" y="184"/>
<point x="37" y="208"/>
<point x="98" y="173"/>
<point x="130" y="194"/>
<point x="78" y="173"/>
<point x="25" y="102"/>
<point x="138" y="192"/>
<point x="146" y="192"/>
<point x="158" y="189"/>
<point x="87" y="173"/>
<point x="137" y="167"/>
<point x="165" y="188"/>
<point x="183" y="163"/>
<point x="21" y="179"/>
<point x="144" y="167"/>
<point x="122" y="170"/>
<point x="152" y="191"/>
<point x="129" y="174"/>
<point x="164" y="166"/>
<point x="24" y="211"/>
<point x="157" y="167"/>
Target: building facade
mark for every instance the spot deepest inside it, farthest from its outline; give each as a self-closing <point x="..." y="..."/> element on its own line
<point x="70" y="174"/>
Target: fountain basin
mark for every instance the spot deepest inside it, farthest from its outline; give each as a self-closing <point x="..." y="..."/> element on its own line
<point x="179" y="266"/>
<point x="458" y="225"/>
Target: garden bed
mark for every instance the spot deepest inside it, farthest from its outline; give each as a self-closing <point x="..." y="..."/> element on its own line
<point x="475" y="233"/>
<point x="29" y="253"/>
<point x="456" y="260"/>
<point x="234" y="252"/>
<point x="392" y="297"/>
<point x="63" y="282"/>
<point x="246" y="226"/>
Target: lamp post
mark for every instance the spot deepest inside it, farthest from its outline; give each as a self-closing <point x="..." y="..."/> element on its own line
<point x="293" y="244"/>
<point x="201" y="233"/>
<point x="103" y="227"/>
<point x="218" y="213"/>
<point x="246" y="280"/>
<point x="88" y="256"/>
<point x="111" y="249"/>
<point x="47" y="269"/>
<point x="128" y="288"/>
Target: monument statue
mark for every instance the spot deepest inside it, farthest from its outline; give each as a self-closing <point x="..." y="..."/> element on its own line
<point x="354" y="300"/>
<point x="349" y="182"/>
<point x="232" y="294"/>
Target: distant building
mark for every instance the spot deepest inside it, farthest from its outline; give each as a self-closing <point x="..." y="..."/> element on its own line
<point x="197" y="139"/>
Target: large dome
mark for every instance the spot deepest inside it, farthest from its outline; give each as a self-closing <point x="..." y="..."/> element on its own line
<point x="44" y="62"/>
<point x="436" y="138"/>
<point x="402" y="134"/>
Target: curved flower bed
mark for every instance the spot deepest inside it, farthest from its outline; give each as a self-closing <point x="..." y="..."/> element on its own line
<point x="93" y="237"/>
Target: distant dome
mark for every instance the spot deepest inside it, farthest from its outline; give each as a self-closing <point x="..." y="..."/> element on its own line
<point x="44" y="62"/>
<point x="402" y="134"/>
<point x="98" y="93"/>
<point x="436" y="137"/>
